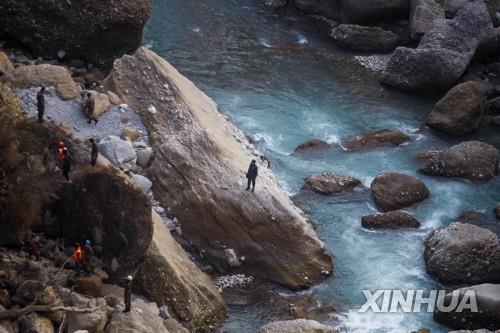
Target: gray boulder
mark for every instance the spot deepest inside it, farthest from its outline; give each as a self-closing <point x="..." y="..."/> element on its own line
<point x="390" y="220"/>
<point x="392" y="190"/>
<point x="368" y="11"/>
<point x="364" y="39"/>
<point x="120" y="152"/>
<point x="460" y="111"/>
<point x="144" y="157"/>
<point x="487" y="298"/>
<point x="330" y="183"/>
<point x="473" y="160"/>
<point x="142" y="182"/>
<point x="297" y="326"/>
<point x="422" y="16"/>
<point x="463" y="253"/>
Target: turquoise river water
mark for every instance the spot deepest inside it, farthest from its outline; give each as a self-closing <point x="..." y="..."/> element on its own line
<point x="281" y="98"/>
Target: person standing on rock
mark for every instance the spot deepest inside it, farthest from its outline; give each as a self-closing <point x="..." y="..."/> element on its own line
<point x="40" y="104"/>
<point x="94" y="152"/>
<point x="66" y="164"/>
<point x="88" y="108"/>
<point x="127" y="294"/>
<point x="252" y="173"/>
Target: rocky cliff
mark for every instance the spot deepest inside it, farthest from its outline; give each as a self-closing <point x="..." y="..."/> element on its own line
<point x="199" y="173"/>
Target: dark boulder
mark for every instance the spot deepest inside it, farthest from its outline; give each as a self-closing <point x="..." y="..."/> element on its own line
<point x="330" y="183"/>
<point x="329" y="8"/>
<point x="375" y="139"/>
<point x="496" y="210"/>
<point x="494" y="104"/>
<point x="460" y="111"/>
<point x="392" y="190"/>
<point x="369" y="11"/>
<point x="311" y="146"/>
<point x="473" y="160"/>
<point x="487" y="298"/>
<point x="473" y="217"/>
<point x="94" y="30"/>
<point x="364" y="39"/>
<point x="463" y="253"/>
<point x="275" y="4"/>
<point x="390" y="220"/>
<point x="422" y="16"/>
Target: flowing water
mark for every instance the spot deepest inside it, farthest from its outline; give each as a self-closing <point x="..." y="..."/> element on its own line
<point x="280" y="94"/>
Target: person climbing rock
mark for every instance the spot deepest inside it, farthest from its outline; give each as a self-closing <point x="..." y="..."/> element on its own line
<point x="94" y="153"/>
<point x="127" y="294"/>
<point x="88" y="254"/>
<point x="66" y="164"/>
<point x="77" y="258"/>
<point x="88" y="109"/>
<point x="40" y="104"/>
<point x="252" y="173"/>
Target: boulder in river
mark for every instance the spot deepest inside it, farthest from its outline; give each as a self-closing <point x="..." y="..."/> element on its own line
<point x="275" y="4"/>
<point x="472" y="160"/>
<point x="391" y="220"/>
<point x="199" y="167"/>
<point x="463" y="253"/>
<point x="375" y="139"/>
<point x="393" y="190"/>
<point x="496" y="210"/>
<point x="369" y="11"/>
<point x="487" y="298"/>
<point x="330" y="183"/>
<point x="311" y="146"/>
<point x="422" y="16"/>
<point x="297" y="326"/>
<point x="95" y="30"/>
<point x="364" y="39"/>
<point x="460" y="111"/>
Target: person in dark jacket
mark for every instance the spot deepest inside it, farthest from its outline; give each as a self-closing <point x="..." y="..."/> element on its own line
<point x="66" y="164"/>
<point x="127" y="293"/>
<point x="252" y="173"/>
<point x="88" y="109"/>
<point x="40" y="104"/>
<point x="94" y="152"/>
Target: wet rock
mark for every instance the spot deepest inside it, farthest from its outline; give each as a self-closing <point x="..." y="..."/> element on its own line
<point x="444" y="52"/>
<point x="472" y="217"/>
<point x="330" y="183"/>
<point x="297" y="326"/>
<point x="473" y="160"/>
<point x="364" y="39"/>
<point x="200" y="154"/>
<point x="494" y="104"/>
<point x="463" y="253"/>
<point x="392" y="190"/>
<point x="130" y="134"/>
<point x="47" y="76"/>
<point x="275" y="4"/>
<point x="422" y="16"/>
<point x="331" y="9"/>
<point x="311" y="146"/>
<point x="142" y="182"/>
<point x="374" y="139"/>
<point x="391" y="220"/>
<point x="168" y="277"/>
<point x="485" y="296"/>
<point x="95" y="30"/>
<point x="495" y="121"/>
<point x="144" y="157"/>
<point x="460" y="111"/>
<point x="34" y="323"/>
<point x="120" y="152"/>
<point x="369" y="11"/>
<point x="496" y="210"/>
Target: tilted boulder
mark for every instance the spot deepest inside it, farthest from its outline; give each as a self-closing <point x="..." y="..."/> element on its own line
<point x="120" y="152"/>
<point x="460" y="111"/>
<point x="375" y="139"/>
<point x="391" y="220"/>
<point x="487" y="298"/>
<point x="168" y="277"/>
<point x="364" y="39"/>
<point x="473" y="160"/>
<point x="392" y="190"/>
<point x="422" y="16"/>
<point x="297" y="326"/>
<point x="330" y="183"/>
<point x="198" y="172"/>
<point x="311" y="146"/>
<point x="463" y="253"/>
<point x="95" y="30"/>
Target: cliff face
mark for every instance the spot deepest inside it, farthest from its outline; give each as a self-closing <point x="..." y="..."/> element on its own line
<point x="199" y="173"/>
<point x="96" y="30"/>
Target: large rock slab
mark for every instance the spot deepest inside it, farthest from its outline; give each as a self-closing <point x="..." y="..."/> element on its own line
<point x="364" y="39"/>
<point x="34" y="323"/>
<point x="392" y="190"/>
<point x="96" y="30"/>
<point x="46" y="76"/>
<point x="487" y="298"/>
<point x="460" y="111"/>
<point x="422" y="16"/>
<point x="463" y="253"/>
<point x="168" y="277"/>
<point x="311" y="146"/>
<point x="330" y="183"/>
<point x="472" y="160"/>
<point x="120" y="152"/>
<point x="390" y="220"/>
<point x="199" y="167"/>
<point x="444" y="52"/>
<point x="374" y="139"/>
<point x="297" y="326"/>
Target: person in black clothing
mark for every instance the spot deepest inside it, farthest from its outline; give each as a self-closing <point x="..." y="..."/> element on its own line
<point x="127" y="293"/>
<point x="252" y="173"/>
<point x="40" y="104"/>
<point x="94" y="153"/>
<point x="66" y="164"/>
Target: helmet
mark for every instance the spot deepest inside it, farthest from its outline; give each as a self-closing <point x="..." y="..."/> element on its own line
<point x="88" y="242"/>
<point x="129" y="278"/>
